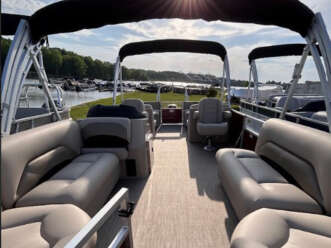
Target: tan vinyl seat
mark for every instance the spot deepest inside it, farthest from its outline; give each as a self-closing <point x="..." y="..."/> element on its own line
<point x="28" y="160"/>
<point x="146" y="109"/>
<point x="86" y="182"/>
<point x="42" y="226"/>
<point x="211" y="121"/>
<point x="289" y="170"/>
<point x="277" y="228"/>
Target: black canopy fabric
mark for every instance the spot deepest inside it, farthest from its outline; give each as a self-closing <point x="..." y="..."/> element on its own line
<point x="74" y="15"/>
<point x="172" y="45"/>
<point x="277" y="51"/>
<point x="9" y="23"/>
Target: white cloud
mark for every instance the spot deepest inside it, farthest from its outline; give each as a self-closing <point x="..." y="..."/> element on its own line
<point x="191" y="29"/>
<point x="24" y="7"/>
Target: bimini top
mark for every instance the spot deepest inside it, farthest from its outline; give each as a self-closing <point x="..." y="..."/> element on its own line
<point x="276" y="51"/>
<point x="74" y="15"/>
<point x="172" y="45"/>
<point x="9" y="23"/>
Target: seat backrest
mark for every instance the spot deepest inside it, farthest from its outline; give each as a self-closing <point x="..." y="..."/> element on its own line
<point x="137" y="103"/>
<point x="104" y="127"/>
<point x="210" y="110"/>
<point x="301" y="152"/>
<point x="155" y="105"/>
<point x="26" y="157"/>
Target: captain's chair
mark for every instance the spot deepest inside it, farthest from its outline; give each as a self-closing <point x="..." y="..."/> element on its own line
<point x="211" y="121"/>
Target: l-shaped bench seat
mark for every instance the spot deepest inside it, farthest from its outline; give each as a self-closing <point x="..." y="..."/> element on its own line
<point x="29" y="159"/>
<point x="281" y="192"/>
<point x="289" y="170"/>
<point x="49" y="188"/>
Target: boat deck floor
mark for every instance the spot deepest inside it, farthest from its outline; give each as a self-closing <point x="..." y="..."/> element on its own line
<point x="181" y="204"/>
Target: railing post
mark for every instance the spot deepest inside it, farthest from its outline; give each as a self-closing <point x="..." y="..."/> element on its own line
<point x="295" y="79"/>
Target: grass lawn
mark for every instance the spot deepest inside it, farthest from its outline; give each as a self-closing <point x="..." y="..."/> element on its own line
<point x="80" y="111"/>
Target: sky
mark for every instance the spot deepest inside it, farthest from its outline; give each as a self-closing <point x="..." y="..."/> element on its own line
<point x="239" y="39"/>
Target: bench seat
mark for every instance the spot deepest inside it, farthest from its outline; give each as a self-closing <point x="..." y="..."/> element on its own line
<point x="42" y="226"/>
<point x="85" y="182"/>
<point x="251" y="183"/>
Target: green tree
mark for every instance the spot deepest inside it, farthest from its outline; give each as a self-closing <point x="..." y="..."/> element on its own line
<point x="74" y="66"/>
<point x="5" y="44"/>
<point x="52" y="60"/>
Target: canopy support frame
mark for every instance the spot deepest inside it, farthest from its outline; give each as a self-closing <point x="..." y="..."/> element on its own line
<point x="255" y="97"/>
<point x="121" y="82"/>
<point x="298" y="68"/>
<point x="318" y="34"/>
<point x="21" y="56"/>
<point x="223" y="81"/>
<point x="249" y="95"/>
<point x="228" y="80"/>
<point x="116" y="78"/>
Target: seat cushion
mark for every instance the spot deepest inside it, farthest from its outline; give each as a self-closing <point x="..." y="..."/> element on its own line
<point x="42" y="226"/>
<point x="209" y="129"/>
<point x="278" y="228"/>
<point x="303" y="153"/>
<point x="86" y="182"/>
<point x="252" y="184"/>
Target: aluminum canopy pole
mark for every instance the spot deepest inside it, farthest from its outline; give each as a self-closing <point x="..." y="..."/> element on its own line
<point x="228" y="80"/>
<point x="295" y="79"/>
<point x="41" y="63"/>
<point x="256" y="81"/>
<point x="13" y="77"/>
<point x="249" y="96"/>
<point x="116" y="74"/>
<point x="318" y="33"/>
<point x="44" y="80"/>
<point x="222" y="85"/>
<point x="158" y="97"/>
<point x="186" y="96"/>
<point x="121" y="82"/>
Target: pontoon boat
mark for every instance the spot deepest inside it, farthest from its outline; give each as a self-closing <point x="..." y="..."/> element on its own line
<point x="106" y="181"/>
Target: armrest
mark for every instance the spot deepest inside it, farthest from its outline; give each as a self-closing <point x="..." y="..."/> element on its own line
<point x="196" y="115"/>
<point x="227" y="115"/>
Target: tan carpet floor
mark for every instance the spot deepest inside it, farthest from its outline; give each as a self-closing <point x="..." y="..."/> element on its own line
<point x="181" y="204"/>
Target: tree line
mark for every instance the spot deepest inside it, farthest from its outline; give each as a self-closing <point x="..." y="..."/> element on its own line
<point x="61" y="63"/>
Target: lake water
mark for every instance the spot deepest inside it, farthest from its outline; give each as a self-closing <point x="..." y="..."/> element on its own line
<point x="72" y="98"/>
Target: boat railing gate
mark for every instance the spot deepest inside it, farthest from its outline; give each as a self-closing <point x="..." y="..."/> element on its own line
<point x="118" y="206"/>
<point x="259" y="114"/>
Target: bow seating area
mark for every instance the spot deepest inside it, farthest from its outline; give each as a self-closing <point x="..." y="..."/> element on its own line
<point x="56" y="177"/>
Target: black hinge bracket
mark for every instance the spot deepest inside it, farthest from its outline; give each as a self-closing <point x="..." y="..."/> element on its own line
<point x="128" y="211"/>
